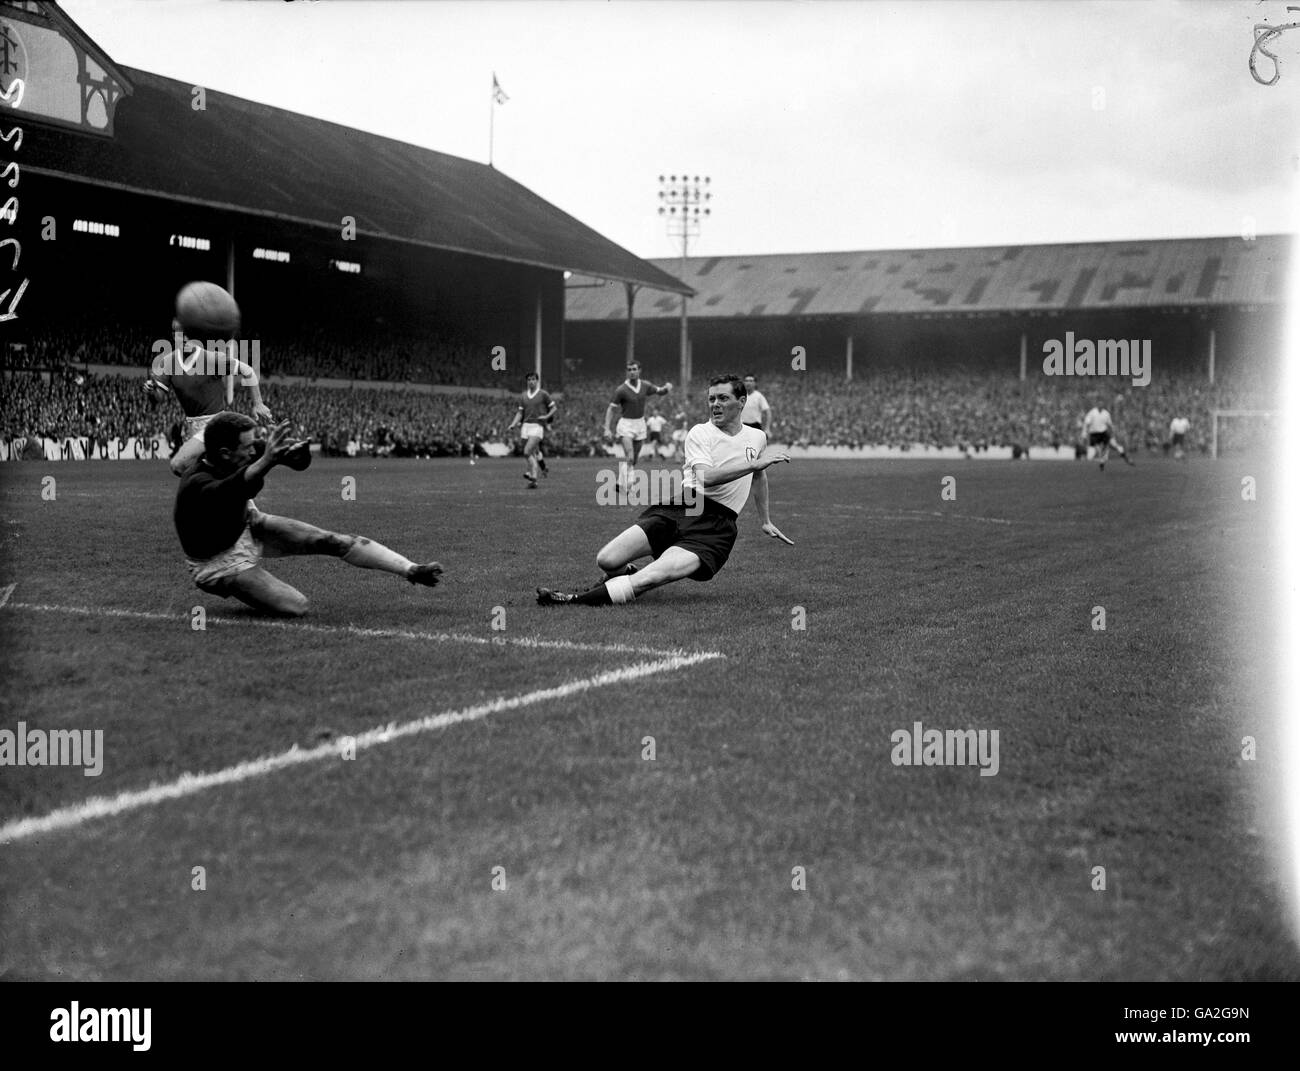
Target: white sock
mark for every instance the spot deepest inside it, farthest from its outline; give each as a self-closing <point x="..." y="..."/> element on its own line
<point x="620" y="589"/>
<point x="367" y="554"/>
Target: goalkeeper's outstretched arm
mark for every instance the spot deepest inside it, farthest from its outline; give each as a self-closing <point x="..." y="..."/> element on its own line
<point x="156" y="388"/>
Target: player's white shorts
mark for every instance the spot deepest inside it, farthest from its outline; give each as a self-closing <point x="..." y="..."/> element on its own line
<point x="194" y="426"/>
<point x="631" y="429"/>
<point x="532" y="431"/>
<point x="247" y="553"/>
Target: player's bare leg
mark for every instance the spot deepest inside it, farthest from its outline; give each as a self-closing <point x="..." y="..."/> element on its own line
<point x="259" y="589"/>
<point x="530" y="454"/>
<point x="631" y="448"/>
<point x="284" y="536"/>
<point x="187" y="456"/>
<point x="615" y="558"/>
<point x="673" y="564"/>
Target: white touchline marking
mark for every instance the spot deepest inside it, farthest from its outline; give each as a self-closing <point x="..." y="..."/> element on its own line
<point x="190" y="784"/>
<point x="357" y="630"/>
<point x="4" y="595"/>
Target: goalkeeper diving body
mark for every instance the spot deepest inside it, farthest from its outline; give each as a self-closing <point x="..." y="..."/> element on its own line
<point x="724" y="461"/>
<point x="225" y="537"/>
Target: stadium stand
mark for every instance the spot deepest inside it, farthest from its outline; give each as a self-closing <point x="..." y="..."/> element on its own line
<point x="965" y="408"/>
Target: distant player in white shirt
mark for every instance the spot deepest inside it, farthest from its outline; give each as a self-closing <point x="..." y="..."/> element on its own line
<point x="1098" y="430"/>
<point x="724" y="459"/>
<point x="1178" y="429"/>
<point x="677" y="442"/>
<point x="757" y="413"/>
<point x="654" y="425"/>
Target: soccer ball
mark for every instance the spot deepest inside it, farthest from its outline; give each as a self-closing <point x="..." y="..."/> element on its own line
<point x="204" y="310"/>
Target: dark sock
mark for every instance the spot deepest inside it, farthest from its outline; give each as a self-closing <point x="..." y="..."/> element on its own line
<point x="597" y="596"/>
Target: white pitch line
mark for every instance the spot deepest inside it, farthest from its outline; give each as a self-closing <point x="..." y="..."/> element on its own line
<point x="356" y="630"/>
<point x="4" y="595"/>
<point x="190" y="784"/>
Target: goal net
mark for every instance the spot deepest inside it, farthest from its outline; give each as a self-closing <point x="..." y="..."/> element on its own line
<point x="1242" y="431"/>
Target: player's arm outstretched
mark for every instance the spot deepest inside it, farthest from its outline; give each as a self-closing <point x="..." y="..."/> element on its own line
<point x="715" y="476"/>
<point x="760" y="504"/>
<point x="278" y="446"/>
<point x="156" y="387"/>
<point x="248" y="377"/>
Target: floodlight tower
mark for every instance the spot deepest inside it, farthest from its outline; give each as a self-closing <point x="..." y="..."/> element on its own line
<point x="683" y="202"/>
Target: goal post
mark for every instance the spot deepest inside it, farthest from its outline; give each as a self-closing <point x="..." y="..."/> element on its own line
<point x="1260" y="420"/>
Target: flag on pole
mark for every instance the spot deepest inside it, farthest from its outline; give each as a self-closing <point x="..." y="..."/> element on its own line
<point x="498" y="94"/>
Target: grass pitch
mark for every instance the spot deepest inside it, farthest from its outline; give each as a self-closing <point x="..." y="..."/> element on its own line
<point x="527" y="836"/>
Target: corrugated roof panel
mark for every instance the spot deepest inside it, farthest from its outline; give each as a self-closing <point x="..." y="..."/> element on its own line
<point x="1051" y="277"/>
<point x="271" y="162"/>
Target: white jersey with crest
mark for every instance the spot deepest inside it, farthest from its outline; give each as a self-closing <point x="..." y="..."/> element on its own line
<point x="706" y="445"/>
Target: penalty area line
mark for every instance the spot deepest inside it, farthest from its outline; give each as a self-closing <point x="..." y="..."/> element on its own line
<point x="356" y="630"/>
<point x="192" y="784"/>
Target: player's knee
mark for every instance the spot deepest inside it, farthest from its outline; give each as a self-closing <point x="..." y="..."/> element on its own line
<point x="607" y="561"/>
<point x="181" y="465"/>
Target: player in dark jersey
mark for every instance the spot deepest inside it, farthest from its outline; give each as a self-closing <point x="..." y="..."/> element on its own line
<point x="629" y="404"/>
<point x="225" y="537"/>
<point x="536" y="410"/>
<point x="201" y="374"/>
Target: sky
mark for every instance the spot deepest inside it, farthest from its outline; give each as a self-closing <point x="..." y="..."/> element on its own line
<point x="832" y="125"/>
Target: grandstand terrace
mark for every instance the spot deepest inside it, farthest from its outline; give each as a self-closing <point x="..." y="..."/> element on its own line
<point x="985" y="308"/>
<point x="134" y="184"/>
<point x="360" y="260"/>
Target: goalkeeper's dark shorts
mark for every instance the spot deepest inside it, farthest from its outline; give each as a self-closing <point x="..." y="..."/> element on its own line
<point x="709" y="534"/>
<point x="1099" y="438"/>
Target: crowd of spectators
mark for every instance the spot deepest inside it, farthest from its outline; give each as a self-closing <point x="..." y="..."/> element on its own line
<point x="977" y="409"/>
<point x="377" y="354"/>
<point x="47" y="395"/>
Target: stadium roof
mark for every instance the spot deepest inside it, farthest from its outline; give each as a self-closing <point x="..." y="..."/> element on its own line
<point x="252" y="158"/>
<point x="1019" y="278"/>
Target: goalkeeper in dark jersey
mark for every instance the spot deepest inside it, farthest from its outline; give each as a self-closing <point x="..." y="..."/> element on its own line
<point x="225" y="536"/>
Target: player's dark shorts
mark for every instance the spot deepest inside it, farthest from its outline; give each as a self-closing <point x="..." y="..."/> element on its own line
<point x="1098" y="438"/>
<point x="1178" y="439"/>
<point x="750" y="424"/>
<point x="709" y="536"/>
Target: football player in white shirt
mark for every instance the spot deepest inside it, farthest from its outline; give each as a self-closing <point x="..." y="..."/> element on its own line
<point x="724" y="459"/>
<point x="757" y="413"/>
<point x="1178" y="429"/>
<point x="1097" y="427"/>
